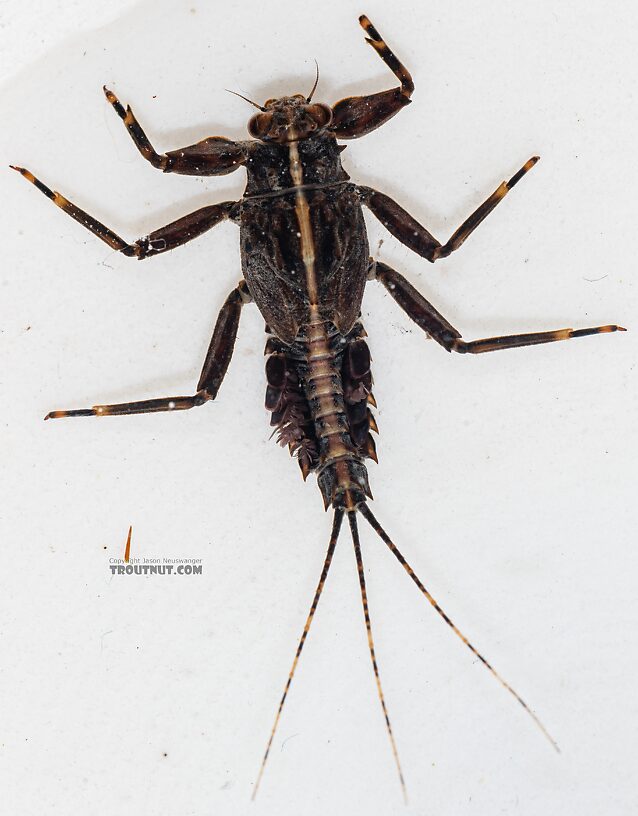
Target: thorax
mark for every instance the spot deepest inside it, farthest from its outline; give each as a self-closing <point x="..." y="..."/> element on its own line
<point x="270" y="165"/>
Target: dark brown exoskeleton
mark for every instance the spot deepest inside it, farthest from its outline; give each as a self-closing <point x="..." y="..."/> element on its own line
<point x="306" y="261"/>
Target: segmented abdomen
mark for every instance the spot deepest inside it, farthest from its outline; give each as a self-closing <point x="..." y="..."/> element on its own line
<point x="319" y="389"/>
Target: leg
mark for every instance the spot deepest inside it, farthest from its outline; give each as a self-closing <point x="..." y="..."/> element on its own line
<point x="426" y="316"/>
<point x="214" y="156"/>
<point x="215" y="366"/>
<point x="161" y="240"/>
<point x="357" y="115"/>
<point x="401" y="224"/>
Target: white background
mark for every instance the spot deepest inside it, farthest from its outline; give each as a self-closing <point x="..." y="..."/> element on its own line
<point x="507" y="479"/>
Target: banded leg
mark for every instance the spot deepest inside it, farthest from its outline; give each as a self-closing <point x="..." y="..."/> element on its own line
<point x="217" y="360"/>
<point x="356" y="116"/>
<point x="431" y="321"/>
<point x="214" y="156"/>
<point x="404" y="227"/>
<point x="162" y="240"/>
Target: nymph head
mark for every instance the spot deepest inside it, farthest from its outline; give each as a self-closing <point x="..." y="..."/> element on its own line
<point x="289" y="118"/>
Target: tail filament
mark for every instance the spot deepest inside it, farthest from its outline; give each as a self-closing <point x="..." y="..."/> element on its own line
<point x="336" y="526"/>
<point x="352" y="518"/>
<point x="367" y="513"/>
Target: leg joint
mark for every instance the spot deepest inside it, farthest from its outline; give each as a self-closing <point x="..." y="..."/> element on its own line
<point x="455" y="343"/>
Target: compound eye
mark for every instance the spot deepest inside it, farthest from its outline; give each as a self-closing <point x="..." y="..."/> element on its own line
<point x="259" y="125"/>
<point x="319" y="113"/>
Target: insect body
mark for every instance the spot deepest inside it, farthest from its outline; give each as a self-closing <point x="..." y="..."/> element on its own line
<point x="306" y="261"/>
